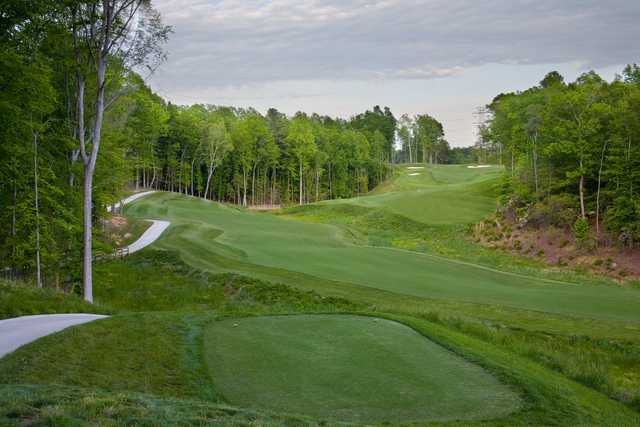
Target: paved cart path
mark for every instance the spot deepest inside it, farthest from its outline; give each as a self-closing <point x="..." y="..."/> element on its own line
<point x="22" y="330"/>
<point x="19" y="331"/>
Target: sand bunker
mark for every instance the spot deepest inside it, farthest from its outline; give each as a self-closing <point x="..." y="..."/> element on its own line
<point x="415" y="167"/>
<point x="413" y="174"/>
<point x="479" y="166"/>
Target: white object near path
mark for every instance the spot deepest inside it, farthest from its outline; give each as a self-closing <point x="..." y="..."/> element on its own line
<point x="19" y="331"/>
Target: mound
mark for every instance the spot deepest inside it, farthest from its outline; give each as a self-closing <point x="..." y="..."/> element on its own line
<point x="350" y="368"/>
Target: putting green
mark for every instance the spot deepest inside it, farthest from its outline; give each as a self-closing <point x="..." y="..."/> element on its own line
<point x="445" y="194"/>
<point x="349" y="368"/>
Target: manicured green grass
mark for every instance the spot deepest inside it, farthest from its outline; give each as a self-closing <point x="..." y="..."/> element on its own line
<point x="353" y="368"/>
<point x="437" y="195"/>
<point x="325" y="252"/>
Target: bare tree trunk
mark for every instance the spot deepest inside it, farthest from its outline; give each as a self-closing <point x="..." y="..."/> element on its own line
<point x="90" y="166"/>
<point x="628" y="160"/>
<point x="253" y="184"/>
<point x="193" y="161"/>
<point x="37" y="206"/>
<point x="317" y="183"/>
<point x="300" y="181"/>
<point x="330" y="184"/>
<point x="535" y="163"/>
<point x="513" y="164"/>
<point x="13" y="216"/>
<point x="244" y="185"/>
<point x="604" y="149"/>
<point x="209" y="175"/>
<point x="153" y="180"/>
<point x="582" y="210"/>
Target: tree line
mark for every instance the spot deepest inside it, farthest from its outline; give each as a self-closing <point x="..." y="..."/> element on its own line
<point x="67" y="78"/>
<point x="241" y="156"/>
<point x="572" y="152"/>
<point x="79" y="128"/>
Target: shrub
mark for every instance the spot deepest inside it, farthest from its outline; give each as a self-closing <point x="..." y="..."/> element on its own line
<point x="554" y="211"/>
<point x="581" y="231"/>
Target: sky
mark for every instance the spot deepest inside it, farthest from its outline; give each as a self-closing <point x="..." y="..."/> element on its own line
<point x="445" y="58"/>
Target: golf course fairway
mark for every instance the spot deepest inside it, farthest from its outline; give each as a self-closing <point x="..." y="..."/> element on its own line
<point x="218" y="238"/>
<point x="436" y="195"/>
<point x="352" y="368"/>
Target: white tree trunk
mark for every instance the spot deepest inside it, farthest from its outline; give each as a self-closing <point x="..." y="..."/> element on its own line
<point x="300" y="182"/>
<point x="37" y="206"/>
<point x="604" y="150"/>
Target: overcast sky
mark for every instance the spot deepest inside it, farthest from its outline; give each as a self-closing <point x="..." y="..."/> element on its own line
<point x="340" y="57"/>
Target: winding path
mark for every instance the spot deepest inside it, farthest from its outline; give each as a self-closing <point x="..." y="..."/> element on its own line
<point x="22" y="330"/>
<point x="152" y="233"/>
<point x="16" y="332"/>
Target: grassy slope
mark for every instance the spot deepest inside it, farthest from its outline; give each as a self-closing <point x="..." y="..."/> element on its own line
<point x="162" y="353"/>
<point x="324" y="252"/>
<point x="21" y="299"/>
<point x="149" y="281"/>
<point x="438" y="195"/>
<point x="349" y="368"/>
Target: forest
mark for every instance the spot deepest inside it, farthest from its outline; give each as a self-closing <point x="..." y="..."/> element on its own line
<point x="572" y="155"/>
<point x="81" y="128"/>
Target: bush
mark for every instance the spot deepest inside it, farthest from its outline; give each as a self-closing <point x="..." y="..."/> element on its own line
<point x="581" y="231"/>
<point x="556" y="210"/>
<point x="623" y="218"/>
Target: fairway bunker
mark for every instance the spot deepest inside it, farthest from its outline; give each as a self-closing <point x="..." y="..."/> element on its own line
<point x="351" y="368"/>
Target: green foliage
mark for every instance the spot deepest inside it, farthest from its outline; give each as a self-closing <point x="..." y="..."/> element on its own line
<point x="581" y="231"/>
<point x="575" y="141"/>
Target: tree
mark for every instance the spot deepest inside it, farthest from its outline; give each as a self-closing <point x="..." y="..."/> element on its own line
<point x="106" y="40"/>
<point x="216" y="142"/>
<point x="302" y="143"/>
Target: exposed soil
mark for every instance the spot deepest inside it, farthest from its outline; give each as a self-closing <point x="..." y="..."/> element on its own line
<point x="119" y="231"/>
<point x="557" y="247"/>
<point x="264" y="207"/>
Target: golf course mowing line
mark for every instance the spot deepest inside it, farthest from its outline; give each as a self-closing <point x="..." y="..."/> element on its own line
<point x="350" y="368"/>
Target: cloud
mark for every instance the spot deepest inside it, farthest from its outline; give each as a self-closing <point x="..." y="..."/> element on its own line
<point x="227" y="43"/>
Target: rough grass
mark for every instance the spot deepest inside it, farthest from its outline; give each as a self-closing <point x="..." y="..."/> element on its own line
<point x="24" y="299"/>
<point x="158" y="280"/>
<point x="148" y="353"/>
<point x="348" y="368"/>
<point x="119" y="232"/>
<point x="36" y="405"/>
